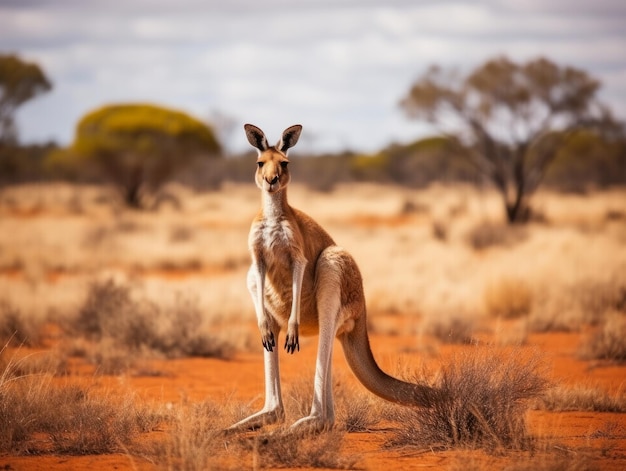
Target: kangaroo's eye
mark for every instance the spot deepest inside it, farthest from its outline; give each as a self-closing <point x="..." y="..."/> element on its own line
<point x="284" y="164"/>
<point x="260" y="164"/>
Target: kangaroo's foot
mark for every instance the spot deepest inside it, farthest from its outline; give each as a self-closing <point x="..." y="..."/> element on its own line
<point x="312" y="424"/>
<point x="258" y="420"/>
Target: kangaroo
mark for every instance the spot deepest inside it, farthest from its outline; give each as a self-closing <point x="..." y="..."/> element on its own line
<point x="303" y="283"/>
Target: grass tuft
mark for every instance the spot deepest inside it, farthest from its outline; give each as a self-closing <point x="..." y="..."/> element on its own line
<point x="483" y="397"/>
<point x="508" y="298"/>
<point x="488" y="234"/>
<point x="39" y="416"/>
<point x="581" y="398"/>
<point x="122" y="329"/>
<point x="452" y="329"/>
<point x="15" y="329"/>
<point x="284" y="449"/>
<point x="608" y="341"/>
<point x="355" y="409"/>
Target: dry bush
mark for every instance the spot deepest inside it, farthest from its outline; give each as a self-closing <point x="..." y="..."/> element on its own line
<point x="482" y="400"/>
<point x="37" y="416"/>
<point x="122" y="329"/>
<point x="440" y="230"/>
<point x="573" y="306"/>
<point x="52" y="363"/>
<point x="488" y="234"/>
<point x="582" y="398"/>
<point x="284" y="449"/>
<point x="509" y="298"/>
<point x="16" y="329"/>
<point x="450" y="329"/>
<point x="356" y="410"/>
<point x="608" y="341"/>
<point x="597" y="297"/>
<point x="196" y="442"/>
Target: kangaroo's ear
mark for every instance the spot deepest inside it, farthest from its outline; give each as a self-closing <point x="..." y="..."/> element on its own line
<point x="256" y="137"/>
<point x="290" y="137"/>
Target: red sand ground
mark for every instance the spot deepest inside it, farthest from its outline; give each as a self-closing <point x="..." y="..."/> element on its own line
<point x="241" y="379"/>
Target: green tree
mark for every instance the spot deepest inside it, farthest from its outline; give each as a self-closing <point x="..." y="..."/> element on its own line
<point x="589" y="158"/>
<point x="19" y="82"/>
<point x="141" y="146"/>
<point x="509" y="119"/>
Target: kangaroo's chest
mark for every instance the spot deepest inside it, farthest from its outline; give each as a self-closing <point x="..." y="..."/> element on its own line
<point x="272" y="241"/>
<point x="274" y="244"/>
<point x="277" y="246"/>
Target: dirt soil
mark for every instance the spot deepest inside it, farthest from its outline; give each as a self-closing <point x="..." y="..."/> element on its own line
<point x="241" y="379"/>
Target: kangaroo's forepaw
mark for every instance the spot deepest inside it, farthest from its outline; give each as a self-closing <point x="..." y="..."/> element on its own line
<point x="269" y="342"/>
<point x="292" y="341"/>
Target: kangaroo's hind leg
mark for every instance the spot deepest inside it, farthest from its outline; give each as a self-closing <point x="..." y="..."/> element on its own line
<point x="328" y="297"/>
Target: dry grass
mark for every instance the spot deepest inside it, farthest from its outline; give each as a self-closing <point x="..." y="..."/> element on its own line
<point x="508" y="298"/>
<point x="483" y="397"/>
<point x="582" y="398"/>
<point x="451" y="329"/>
<point x="39" y="416"/>
<point x="356" y="410"/>
<point x="283" y="449"/>
<point x="196" y="442"/>
<point x="608" y="341"/>
<point x="120" y="329"/>
<point x="487" y="235"/>
<point x="17" y="329"/>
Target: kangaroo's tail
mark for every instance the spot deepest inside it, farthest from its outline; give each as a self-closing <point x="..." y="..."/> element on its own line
<point x="356" y="348"/>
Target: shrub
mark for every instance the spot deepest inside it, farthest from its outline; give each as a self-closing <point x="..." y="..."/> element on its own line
<point x="196" y="441"/>
<point x="121" y="328"/>
<point x="193" y="442"/>
<point x="482" y="403"/>
<point x="487" y="235"/>
<point x="597" y="297"/>
<point x="15" y="329"/>
<point x="608" y="341"/>
<point x="453" y="329"/>
<point x="354" y="409"/>
<point x="39" y="416"/>
<point x="508" y="297"/>
<point x="289" y="450"/>
<point x="581" y="398"/>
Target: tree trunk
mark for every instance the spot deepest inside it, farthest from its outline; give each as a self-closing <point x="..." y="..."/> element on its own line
<point x="132" y="191"/>
<point x="132" y="196"/>
<point x="516" y="211"/>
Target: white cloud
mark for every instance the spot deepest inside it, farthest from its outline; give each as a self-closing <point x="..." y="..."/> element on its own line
<point x="339" y="67"/>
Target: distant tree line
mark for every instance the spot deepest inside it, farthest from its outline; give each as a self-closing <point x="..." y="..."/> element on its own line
<point x="504" y="124"/>
<point x="587" y="160"/>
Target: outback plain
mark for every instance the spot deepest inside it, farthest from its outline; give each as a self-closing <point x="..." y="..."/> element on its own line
<point x="128" y="339"/>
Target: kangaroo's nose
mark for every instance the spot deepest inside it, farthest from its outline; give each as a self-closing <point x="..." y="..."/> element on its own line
<point x="274" y="180"/>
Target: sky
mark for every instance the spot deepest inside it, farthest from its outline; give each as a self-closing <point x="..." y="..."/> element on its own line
<point x="338" y="67"/>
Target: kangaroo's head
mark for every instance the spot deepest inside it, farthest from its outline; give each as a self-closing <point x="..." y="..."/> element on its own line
<point x="272" y="173"/>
